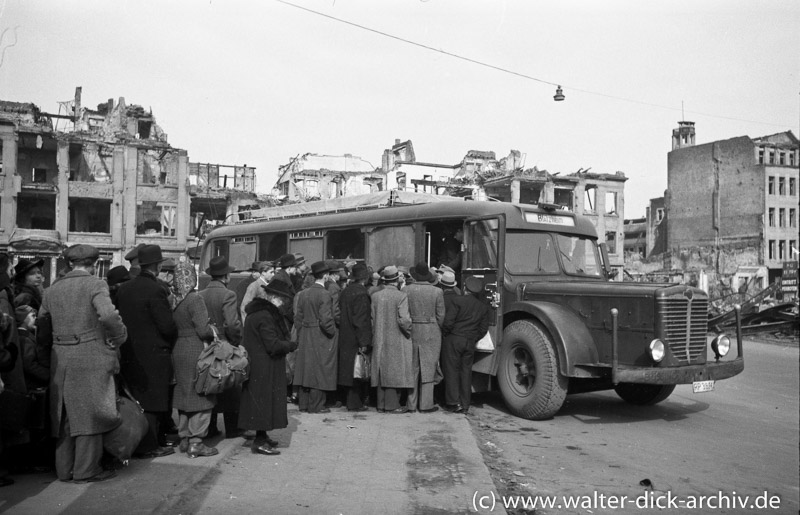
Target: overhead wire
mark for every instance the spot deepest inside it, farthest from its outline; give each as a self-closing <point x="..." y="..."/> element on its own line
<point x="518" y="74"/>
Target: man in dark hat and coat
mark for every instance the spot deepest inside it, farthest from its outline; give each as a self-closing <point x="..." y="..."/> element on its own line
<point x="147" y="358"/>
<point x="315" y="367"/>
<point x="466" y="321"/>
<point x="286" y="270"/>
<point x="221" y="306"/>
<point x="355" y="334"/>
<point x="86" y="332"/>
<point x="426" y="307"/>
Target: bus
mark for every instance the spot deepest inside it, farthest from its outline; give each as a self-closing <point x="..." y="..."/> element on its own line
<point x="560" y="323"/>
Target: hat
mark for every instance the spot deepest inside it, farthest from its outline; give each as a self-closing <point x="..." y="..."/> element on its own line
<point x="255" y="267"/>
<point x="21" y="313"/>
<point x="435" y="276"/>
<point x="263" y="266"/>
<point x="150" y="254"/>
<point x="444" y="268"/>
<point x="359" y="272"/>
<point x="286" y="261"/>
<point x="320" y="267"/>
<point x="81" y="251"/>
<point x="334" y="266"/>
<point x="299" y="259"/>
<point x="24" y="266"/>
<point x="278" y="287"/>
<point x="473" y="284"/>
<point x="169" y="265"/>
<point x="118" y="274"/>
<point x="389" y="274"/>
<point x="421" y="272"/>
<point x="134" y="252"/>
<point x="403" y="270"/>
<point x="376" y="277"/>
<point x="448" y="279"/>
<point x="219" y="266"/>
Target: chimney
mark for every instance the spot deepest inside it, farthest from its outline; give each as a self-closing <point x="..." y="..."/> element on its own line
<point x="77" y="113"/>
<point x="396" y="141"/>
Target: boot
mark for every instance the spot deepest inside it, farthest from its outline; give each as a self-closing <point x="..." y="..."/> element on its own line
<point x="199" y="449"/>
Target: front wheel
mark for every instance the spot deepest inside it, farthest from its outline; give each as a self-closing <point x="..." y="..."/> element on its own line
<point x="528" y="373"/>
<point x="643" y="394"/>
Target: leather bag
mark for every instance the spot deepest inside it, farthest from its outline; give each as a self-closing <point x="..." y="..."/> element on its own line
<point x="221" y="366"/>
<point x="123" y="440"/>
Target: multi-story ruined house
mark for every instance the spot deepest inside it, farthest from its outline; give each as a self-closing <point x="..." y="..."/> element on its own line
<point x="107" y="177"/>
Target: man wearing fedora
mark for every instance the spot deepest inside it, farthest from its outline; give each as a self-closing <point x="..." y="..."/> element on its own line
<point x="355" y="334"/>
<point x="426" y="307"/>
<point x="147" y="358"/>
<point x="315" y="366"/>
<point x="221" y="306"/>
<point x="286" y="270"/>
<point x="466" y="321"/>
<point x="392" y="351"/>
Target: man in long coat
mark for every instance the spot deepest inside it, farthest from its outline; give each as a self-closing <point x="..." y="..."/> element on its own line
<point x="147" y="358"/>
<point x="426" y="307"/>
<point x="392" y="367"/>
<point x="315" y="368"/>
<point x="86" y="332"/>
<point x="221" y="306"/>
<point x="466" y="321"/>
<point x="355" y="334"/>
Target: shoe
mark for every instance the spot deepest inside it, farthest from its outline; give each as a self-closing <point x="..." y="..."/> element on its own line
<point x="399" y="410"/>
<point x="362" y="408"/>
<point x="432" y="410"/>
<point x="200" y="449"/>
<point x="272" y="443"/>
<point x="102" y="476"/>
<point x="323" y="410"/>
<point x="159" y="452"/>
<point x="183" y="446"/>
<point x="265" y="450"/>
<point x="453" y="408"/>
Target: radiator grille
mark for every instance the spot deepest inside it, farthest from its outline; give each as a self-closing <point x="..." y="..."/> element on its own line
<point x="685" y="325"/>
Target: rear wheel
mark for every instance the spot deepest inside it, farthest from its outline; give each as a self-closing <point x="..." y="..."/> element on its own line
<point x="528" y="373"/>
<point x="643" y="394"/>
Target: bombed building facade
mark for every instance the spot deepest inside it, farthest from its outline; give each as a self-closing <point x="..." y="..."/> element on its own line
<point x="106" y="176"/>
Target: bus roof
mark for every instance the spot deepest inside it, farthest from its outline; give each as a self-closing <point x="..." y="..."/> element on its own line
<point x="518" y="217"/>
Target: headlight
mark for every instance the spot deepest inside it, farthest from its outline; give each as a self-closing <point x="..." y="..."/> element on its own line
<point x="657" y="350"/>
<point x="721" y="345"/>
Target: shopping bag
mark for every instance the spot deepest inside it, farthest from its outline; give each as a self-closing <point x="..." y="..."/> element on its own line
<point x="361" y="367"/>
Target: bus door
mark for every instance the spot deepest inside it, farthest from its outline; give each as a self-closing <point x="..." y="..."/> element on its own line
<point x="484" y="241"/>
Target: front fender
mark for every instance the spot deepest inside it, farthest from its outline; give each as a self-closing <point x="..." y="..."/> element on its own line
<point x="572" y="339"/>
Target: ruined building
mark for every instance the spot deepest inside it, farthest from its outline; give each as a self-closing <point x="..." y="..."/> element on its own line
<point x="320" y="177"/>
<point x="106" y="176"/>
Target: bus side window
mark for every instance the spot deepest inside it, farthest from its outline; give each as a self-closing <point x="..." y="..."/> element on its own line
<point x="392" y="245"/>
<point x="219" y="248"/>
<point x="347" y="244"/>
<point x="482" y="249"/>
<point x="271" y="246"/>
<point x="242" y="252"/>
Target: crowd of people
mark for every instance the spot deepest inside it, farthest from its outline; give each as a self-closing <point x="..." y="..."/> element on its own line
<point x="68" y="351"/>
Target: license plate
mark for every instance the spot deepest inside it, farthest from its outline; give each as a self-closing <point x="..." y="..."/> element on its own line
<point x="703" y="386"/>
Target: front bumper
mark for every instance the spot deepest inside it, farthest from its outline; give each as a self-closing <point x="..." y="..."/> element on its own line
<point x="679" y="375"/>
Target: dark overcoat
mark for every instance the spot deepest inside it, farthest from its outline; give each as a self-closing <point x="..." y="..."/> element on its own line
<point x="221" y="306"/>
<point x="355" y="328"/>
<point x="83" y="365"/>
<point x="266" y="338"/>
<point x="317" y="353"/>
<point x="426" y="307"/>
<point x="391" y="328"/>
<point x="146" y="358"/>
<point x="191" y="317"/>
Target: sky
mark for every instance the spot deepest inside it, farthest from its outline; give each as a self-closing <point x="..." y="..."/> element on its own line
<point x="259" y="82"/>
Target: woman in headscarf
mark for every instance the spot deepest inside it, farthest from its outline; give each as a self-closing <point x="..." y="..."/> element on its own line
<point x="191" y="317"/>
<point x="267" y="340"/>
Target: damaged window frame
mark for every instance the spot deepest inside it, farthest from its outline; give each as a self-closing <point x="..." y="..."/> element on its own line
<point x="167" y="212"/>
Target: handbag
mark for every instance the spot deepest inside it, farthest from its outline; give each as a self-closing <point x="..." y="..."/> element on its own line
<point x="221" y="366"/>
<point x="123" y="440"/>
<point x="362" y="366"/>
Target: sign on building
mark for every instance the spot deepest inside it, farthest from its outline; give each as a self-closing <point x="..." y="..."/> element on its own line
<point x="789" y="280"/>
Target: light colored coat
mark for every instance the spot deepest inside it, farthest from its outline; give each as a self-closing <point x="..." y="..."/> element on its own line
<point x="392" y="350"/>
<point x="317" y="352"/>
<point x="83" y="365"/>
<point x="426" y="307"/>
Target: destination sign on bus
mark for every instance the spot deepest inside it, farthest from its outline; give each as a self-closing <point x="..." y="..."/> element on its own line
<point x="542" y="218"/>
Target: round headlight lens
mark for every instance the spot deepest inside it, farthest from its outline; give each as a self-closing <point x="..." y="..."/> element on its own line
<point x="721" y="345"/>
<point x="657" y="350"/>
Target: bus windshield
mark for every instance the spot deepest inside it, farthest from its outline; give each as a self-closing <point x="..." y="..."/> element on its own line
<point x="536" y="253"/>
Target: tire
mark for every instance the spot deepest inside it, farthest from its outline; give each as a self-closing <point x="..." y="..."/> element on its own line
<point x="528" y="374"/>
<point x="643" y="394"/>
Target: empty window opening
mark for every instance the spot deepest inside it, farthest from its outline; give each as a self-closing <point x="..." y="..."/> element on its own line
<point x="563" y="197"/>
<point x="611" y="202"/>
<point x="89" y="215"/>
<point x="611" y="242"/>
<point x="39" y="175"/>
<point x="345" y="245"/>
<point x="589" y="199"/>
<point x="771" y="185"/>
<point x="271" y="246"/>
<point x="155" y="218"/>
<point x="144" y="129"/>
<point x="36" y="211"/>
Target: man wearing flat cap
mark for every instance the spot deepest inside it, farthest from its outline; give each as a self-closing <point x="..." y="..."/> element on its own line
<point x="147" y="358"/>
<point x="392" y="367"/>
<point x="426" y="307"/>
<point x="86" y="333"/>
<point x="221" y="306"/>
<point x="133" y="257"/>
<point x="315" y="365"/>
